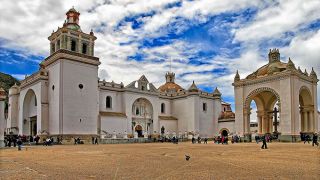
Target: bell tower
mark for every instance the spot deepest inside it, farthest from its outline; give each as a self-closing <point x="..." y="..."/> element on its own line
<point x="73" y="79"/>
<point x="70" y="36"/>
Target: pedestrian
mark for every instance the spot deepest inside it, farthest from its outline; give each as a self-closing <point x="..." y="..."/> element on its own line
<point x="19" y="142"/>
<point x="93" y="140"/>
<point x="96" y="141"/>
<point x="315" y="139"/>
<point x="75" y="140"/>
<point x="205" y="140"/>
<point x="307" y="138"/>
<point x="193" y="140"/>
<point x="264" y="143"/>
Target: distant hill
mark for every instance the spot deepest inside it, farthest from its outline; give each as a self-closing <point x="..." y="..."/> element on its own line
<point x="6" y="81"/>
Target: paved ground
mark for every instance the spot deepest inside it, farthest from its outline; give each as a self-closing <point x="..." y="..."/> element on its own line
<point x="162" y="161"/>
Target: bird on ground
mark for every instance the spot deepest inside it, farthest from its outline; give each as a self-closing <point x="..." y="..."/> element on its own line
<point x="187" y="157"/>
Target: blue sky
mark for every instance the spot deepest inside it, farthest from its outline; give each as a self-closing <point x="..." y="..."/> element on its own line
<point x="206" y="40"/>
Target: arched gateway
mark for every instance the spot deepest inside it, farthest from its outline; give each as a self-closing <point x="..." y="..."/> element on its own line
<point x="142" y="113"/>
<point x="286" y="100"/>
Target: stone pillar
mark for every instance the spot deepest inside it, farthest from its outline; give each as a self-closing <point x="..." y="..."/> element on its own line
<point x="259" y="124"/>
<point x="311" y="121"/>
<point x="305" y="121"/>
<point x="301" y="121"/>
<point x="270" y="124"/>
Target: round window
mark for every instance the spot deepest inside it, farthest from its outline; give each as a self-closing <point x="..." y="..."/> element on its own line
<point x="81" y="86"/>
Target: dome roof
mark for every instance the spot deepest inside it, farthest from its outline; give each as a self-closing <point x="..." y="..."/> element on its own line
<point x="168" y="86"/>
<point x="268" y="69"/>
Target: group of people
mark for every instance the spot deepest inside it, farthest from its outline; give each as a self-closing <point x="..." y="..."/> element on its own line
<point x="199" y="140"/>
<point x="307" y="138"/>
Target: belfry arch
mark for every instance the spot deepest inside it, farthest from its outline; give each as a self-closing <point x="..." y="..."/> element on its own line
<point x="265" y="99"/>
<point x="306" y="110"/>
<point x="285" y="96"/>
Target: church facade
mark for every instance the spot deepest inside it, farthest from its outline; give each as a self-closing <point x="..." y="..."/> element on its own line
<point x="66" y="98"/>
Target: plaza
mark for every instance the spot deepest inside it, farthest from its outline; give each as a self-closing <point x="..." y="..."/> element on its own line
<point x="162" y="161"/>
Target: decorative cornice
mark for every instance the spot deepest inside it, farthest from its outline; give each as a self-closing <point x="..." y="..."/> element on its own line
<point x="70" y="55"/>
<point x="32" y="79"/>
<point x="269" y="78"/>
<point x="167" y="118"/>
<point x="108" y="113"/>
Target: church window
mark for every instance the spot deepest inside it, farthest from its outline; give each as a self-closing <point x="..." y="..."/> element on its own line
<point x="35" y="101"/>
<point x="53" y="48"/>
<point x="163" y="108"/>
<point x="204" y="106"/>
<point x="137" y="111"/>
<point x="73" y="45"/>
<point x="52" y="87"/>
<point x="58" y="44"/>
<point x="84" y="48"/>
<point x="108" y="102"/>
<point x="142" y="88"/>
<point x="81" y="86"/>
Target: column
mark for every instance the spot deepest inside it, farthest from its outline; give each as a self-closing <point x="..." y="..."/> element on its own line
<point x="259" y="124"/>
<point x="305" y="121"/>
<point x="311" y="122"/>
<point x="301" y="121"/>
<point x="263" y="128"/>
<point x="270" y="124"/>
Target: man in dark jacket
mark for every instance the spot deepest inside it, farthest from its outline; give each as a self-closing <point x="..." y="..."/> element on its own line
<point x="264" y="143"/>
<point x="315" y="139"/>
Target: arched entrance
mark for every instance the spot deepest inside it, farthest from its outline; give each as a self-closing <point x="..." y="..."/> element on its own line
<point x="224" y="132"/>
<point x="29" y="124"/>
<point x="266" y="99"/>
<point x="142" y="113"/>
<point x="306" y="110"/>
<point x="138" y="129"/>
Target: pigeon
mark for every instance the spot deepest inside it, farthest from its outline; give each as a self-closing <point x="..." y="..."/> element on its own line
<point x="187" y="157"/>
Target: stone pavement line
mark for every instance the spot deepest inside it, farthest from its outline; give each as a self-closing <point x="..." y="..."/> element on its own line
<point x="115" y="174"/>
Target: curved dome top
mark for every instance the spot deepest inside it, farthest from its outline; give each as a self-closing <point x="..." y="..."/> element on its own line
<point x="169" y="86"/>
<point x="268" y="69"/>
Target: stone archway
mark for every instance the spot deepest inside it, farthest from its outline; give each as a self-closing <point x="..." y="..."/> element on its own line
<point x="142" y="115"/>
<point x="30" y="117"/>
<point x="306" y="107"/>
<point x="139" y="130"/>
<point x="265" y="99"/>
<point x="224" y="132"/>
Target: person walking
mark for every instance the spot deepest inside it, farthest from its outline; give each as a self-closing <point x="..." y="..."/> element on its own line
<point x="96" y="140"/>
<point x="307" y="138"/>
<point x="315" y="139"/>
<point x="264" y="143"/>
<point x="19" y="142"/>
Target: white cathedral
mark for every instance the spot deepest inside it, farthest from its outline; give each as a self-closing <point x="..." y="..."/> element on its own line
<point x="66" y="98"/>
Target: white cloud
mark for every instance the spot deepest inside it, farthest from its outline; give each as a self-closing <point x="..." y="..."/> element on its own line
<point x="26" y="24"/>
<point x="282" y="17"/>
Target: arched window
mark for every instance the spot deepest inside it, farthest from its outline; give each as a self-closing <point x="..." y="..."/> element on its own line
<point x="35" y="101"/>
<point x="73" y="45"/>
<point x="108" y="102"/>
<point x="204" y="106"/>
<point x="84" y="48"/>
<point x="53" y="47"/>
<point x="163" y="108"/>
<point x="58" y="44"/>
